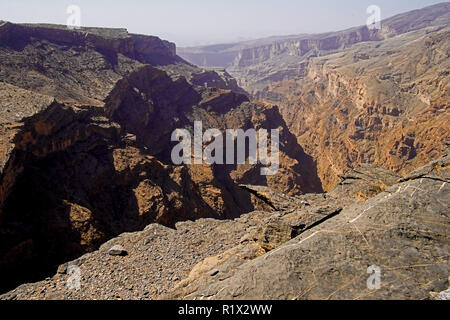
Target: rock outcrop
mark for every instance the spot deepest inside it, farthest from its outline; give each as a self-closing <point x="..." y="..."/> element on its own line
<point x="86" y="123"/>
<point x="86" y="175"/>
<point x="314" y="246"/>
<point x="389" y="108"/>
<point x="401" y="232"/>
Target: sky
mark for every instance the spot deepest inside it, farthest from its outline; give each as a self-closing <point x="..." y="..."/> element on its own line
<point x="201" y="22"/>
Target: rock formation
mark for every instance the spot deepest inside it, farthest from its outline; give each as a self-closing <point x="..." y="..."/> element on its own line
<point x="314" y="246"/>
<point x="258" y="63"/>
<point x="88" y="187"/>
<point x="86" y="124"/>
<point x="359" y="95"/>
<point x="390" y="108"/>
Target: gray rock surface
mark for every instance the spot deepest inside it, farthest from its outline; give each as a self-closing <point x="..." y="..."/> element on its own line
<point x="403" y="231"/>
<point x="330" y="249"/>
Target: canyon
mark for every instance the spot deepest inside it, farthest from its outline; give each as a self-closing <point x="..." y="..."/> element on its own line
<point x="86" y="124"/>
<point x="87" y="119"/>
<point x="355" y="96"/>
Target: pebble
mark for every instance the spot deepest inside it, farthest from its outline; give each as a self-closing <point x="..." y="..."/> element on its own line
<point x="213" y="272"/>
<point x="117" y="250"/>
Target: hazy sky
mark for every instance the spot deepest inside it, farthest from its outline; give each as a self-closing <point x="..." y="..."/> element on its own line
<point x="196" y="22"/>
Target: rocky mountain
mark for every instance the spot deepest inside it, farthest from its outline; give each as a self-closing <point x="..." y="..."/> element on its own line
<point x="223" y="55"/>
<point x="89" y="193"/>
<point x="384" y="103"/>
<point x="315" y="246"/>
<point x="86" y="123"/>
<point x="360" y="95"/>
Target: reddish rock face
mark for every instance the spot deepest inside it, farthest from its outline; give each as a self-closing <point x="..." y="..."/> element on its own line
<point x="354" y="96"/>
<point x="390" y="109"/>
<point x="87" y="118"/>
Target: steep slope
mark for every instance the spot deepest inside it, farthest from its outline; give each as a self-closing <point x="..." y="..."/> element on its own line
<point x="86" y="123"/>
<point x="315" y="246"/>
<point x="223" y="55"/>
<point x="384" y="103"/>
<point x="359" y="95"/>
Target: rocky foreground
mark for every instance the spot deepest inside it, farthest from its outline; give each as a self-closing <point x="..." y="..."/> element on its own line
<point x="316" y="246"/>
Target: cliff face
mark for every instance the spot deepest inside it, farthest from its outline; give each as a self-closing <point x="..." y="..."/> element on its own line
<point x="110" y="42"/>
<point x="258" y="63"/>
<point x="257" y="67"/>
<point x="302" y="46"/>
<point x="359" y="95"/>
<point x="86" y="120"/>
<point x="385" y="103"/>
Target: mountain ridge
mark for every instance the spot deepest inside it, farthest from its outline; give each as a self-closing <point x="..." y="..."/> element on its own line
<point x="209" y="50"/>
